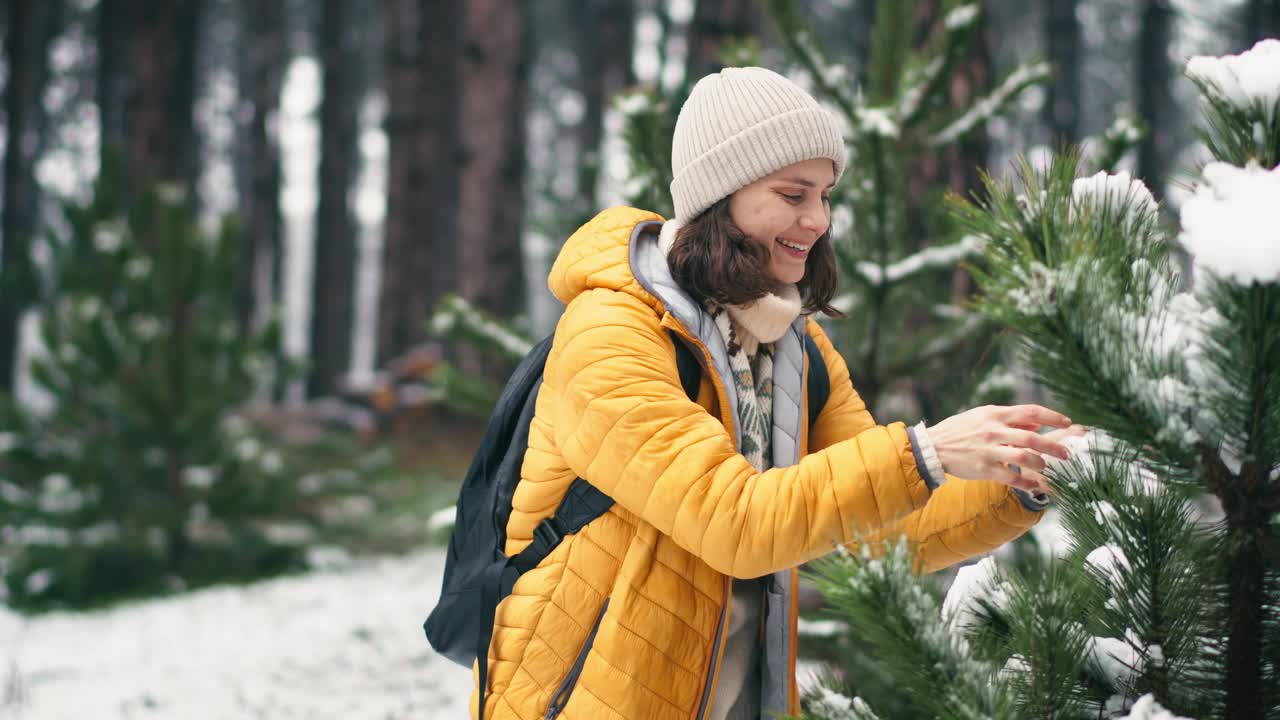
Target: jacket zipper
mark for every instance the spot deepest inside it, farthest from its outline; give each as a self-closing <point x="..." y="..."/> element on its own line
<point x="717" y="645"/>
<point x="561" y="696"/>
<point x="716" y="650"/>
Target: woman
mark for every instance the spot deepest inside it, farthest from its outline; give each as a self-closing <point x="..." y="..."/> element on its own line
<point x="680" y="602"/>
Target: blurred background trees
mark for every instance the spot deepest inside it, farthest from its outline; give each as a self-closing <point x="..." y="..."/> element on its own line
<point x="375" y="159"/>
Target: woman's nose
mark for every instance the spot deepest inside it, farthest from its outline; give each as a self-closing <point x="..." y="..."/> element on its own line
<point x="813" y="221"/>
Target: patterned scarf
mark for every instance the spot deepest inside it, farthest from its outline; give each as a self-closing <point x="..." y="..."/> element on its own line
<point x="751" y="364"/>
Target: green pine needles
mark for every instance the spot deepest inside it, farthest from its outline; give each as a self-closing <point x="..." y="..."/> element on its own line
<point x="136" y="476"/>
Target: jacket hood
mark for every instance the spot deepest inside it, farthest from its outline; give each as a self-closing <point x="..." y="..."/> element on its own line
<point x="597" y="256"/>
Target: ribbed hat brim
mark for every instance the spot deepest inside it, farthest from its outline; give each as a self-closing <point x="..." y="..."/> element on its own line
<point x="757" y="151"/>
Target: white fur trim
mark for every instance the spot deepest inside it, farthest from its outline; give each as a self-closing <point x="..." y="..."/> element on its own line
<point x="769" y="317"/>
<point x="667" y="236"/>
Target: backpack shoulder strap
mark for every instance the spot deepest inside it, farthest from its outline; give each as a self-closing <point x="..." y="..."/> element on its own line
<point x="819" y="388"/>
<point x="583" y="503"/>
<point x="687" y="365"/>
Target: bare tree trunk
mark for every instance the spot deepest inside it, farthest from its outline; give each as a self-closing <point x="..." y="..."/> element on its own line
<point x="861" y="34"/>
<point x="160" y="74"/>
<point x="604" y="33"/>
<point x="31" y="27"/>
<point x="1155" y="92"/>
<point x="1262" y="20"/>
<point x="333" y="288"/>
<point x="714" y="22"/>
<point x="420" y="250"/>
<point x="1062" y="37"/>
<point x="16" y="221"/>
<point x="494" y="92"/>
<point x="261" y="249"/>
<point x="113" y="35"/>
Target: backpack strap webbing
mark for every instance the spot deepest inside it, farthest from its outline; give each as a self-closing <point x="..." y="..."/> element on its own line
<point x="583" y="502"/>
<point x="819" y="386"/>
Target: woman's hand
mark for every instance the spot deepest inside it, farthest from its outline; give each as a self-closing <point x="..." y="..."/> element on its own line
<point x="983" y="442"/>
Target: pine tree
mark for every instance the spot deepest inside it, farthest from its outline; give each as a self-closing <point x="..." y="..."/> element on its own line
<point x="1163" y="599"/>
<point x="138" y="476"/>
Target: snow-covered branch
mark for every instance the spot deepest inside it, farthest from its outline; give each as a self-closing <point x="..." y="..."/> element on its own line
<point x="915" y="93"/>
<point x="877" y="121"/>
<point x="457" y="315"/>
<point x="933" y="258"/>
<point x="986" y="107"/>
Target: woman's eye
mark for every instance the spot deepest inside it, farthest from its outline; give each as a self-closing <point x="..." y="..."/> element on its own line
<point x="826" y="198"/>
<point x="793" y="198"/>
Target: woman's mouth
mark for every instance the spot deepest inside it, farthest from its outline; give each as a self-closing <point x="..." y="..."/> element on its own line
<point x="794" y="250"/>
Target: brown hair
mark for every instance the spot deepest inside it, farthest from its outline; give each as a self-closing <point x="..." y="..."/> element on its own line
<point x="714" y="260"/>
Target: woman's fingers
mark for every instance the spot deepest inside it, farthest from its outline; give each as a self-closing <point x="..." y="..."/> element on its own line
<point x="1046" y="444"/>
<point x="1022" y="457"/>
<point x="1064" y="433"/>
<point x="1026" y="479"/>
<point x="1034" y="415"/>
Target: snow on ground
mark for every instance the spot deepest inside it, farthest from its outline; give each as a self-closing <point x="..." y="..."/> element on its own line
<point x="335" y="644"/>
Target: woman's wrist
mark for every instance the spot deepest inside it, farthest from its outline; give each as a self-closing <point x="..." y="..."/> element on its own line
<point x="927" y="456"/>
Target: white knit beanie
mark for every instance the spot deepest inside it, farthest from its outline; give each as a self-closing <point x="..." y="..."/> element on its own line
<point x="742" y="124"/>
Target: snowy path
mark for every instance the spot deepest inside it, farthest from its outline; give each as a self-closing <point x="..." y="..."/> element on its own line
<point x="340" y="644"/>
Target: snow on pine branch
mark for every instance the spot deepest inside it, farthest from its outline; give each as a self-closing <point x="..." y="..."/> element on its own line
<point x="933" y="258"/>
<point x="834" y="77"/>
<point x="827" y="704"/>
<point x="974" y="585"/>
<point x="985" y="108"/>
<point x="1231" y="224"/>
<point x="877" y="121"/>
<point x="1146" y="708"/>
<point x="1124" y="129"/>
<point x="914" y="93"/>
<point x="962" y="17"/>
<point x="456" y="314"/>
<point x="1118" y="198"/>
<point x="960" y="333"/>
<point x="1245" y="81"/>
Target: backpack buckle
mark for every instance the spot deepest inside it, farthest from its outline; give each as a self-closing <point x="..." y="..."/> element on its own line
<point x="548" y="533"/>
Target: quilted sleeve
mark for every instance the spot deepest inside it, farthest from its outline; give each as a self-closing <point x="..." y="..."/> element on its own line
<point x="961" y="519"/>
<point x="622" y="422"/>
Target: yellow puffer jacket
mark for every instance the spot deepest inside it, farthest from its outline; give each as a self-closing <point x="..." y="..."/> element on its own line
<point x="625" y="618"/>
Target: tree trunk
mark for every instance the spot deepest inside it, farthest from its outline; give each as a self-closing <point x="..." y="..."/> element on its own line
<point x="1155" y="92"/>
<point x="160" y="76"/>
<point x="714" y="23"/>
<point x="1262" y="21"/>
<point x="604" y="34"/>
<point x="16" y="221"/>
<point x="31" y="27"/>
<point x="1062" y="38"/>
<point x="333" y="289"/>
<point x="420" y="247"/>
<point x="861" y="35"/>
<point x="494" y="92"/>
<point x="113" y="35"/>
<point x="261" y="248"/>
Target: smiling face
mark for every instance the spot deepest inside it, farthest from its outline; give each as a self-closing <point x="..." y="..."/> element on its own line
<point x="787" y="212"/>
